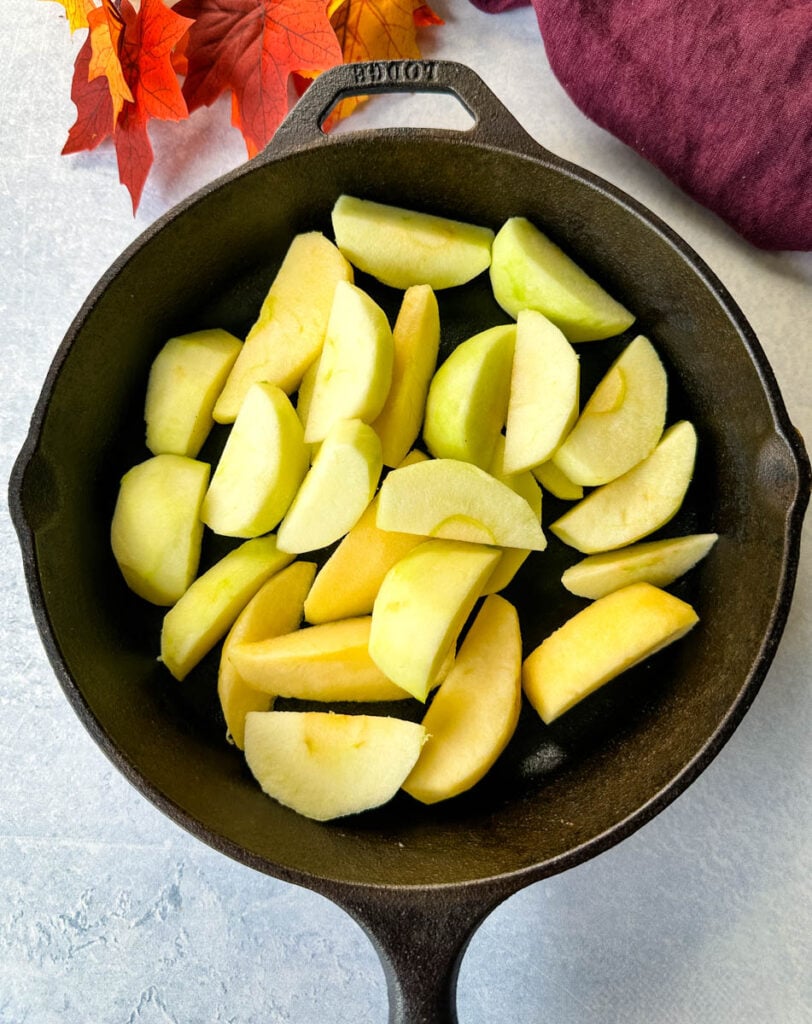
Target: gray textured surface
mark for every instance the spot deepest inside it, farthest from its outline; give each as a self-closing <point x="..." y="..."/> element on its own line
<point x="110" y="914"/>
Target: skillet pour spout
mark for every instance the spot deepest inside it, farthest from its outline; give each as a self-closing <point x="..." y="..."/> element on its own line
<point x="418" y="879"/>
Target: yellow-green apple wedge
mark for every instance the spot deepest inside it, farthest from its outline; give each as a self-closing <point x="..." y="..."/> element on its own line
<point x="416" y="341"/>
<point x="475" y="712"/>
<point x="467" y="400"/>
<point x="604" y="639"/>
<point x="403" y="247"/>
<point x="185" y="381"/>
<point x="274" y="610"/>
<point x="637" y="503"/>
<point x="354" y="371"/>
<point x="289" y="331"/>
<point x="348" y="582"/>
<point x="557" y="482"/>
<point x="262" y="465"/>
<point x="659" y="562"/>
<point x="338" y="487"/>
<point x="156" y="532"/>
<point x="528" y="271"/>
<point x="544" y="388"/>
<point x="208" y="609"/>
<point x="305" y="392"/>
<point x="525" y="485"/>
<point x="421" y="607"/>
<point x="327" y="662"/>
<point x="456" y="500"/>
<point x="325" y="765"/>
<point x="621" y="422"/>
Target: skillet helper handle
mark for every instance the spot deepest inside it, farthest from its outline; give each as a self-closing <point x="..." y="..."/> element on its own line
<point x="420" y="938"/>
<point x="493" y="123"/>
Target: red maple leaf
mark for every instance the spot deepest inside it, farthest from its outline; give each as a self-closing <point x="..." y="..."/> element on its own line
<point x="144" y="39"/>
<point x="251" y="48"/>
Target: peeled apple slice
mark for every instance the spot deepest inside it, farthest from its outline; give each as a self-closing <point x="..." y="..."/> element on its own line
<point x="609" y="636"/>
<point x="402" y="247"/>
<point x="325" y="765"/>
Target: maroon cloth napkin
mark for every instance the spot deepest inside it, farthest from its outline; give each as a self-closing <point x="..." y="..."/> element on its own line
<point x="718" y="95"/>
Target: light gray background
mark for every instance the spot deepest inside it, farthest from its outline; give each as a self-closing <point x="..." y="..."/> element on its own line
<point x="109" y="913"/>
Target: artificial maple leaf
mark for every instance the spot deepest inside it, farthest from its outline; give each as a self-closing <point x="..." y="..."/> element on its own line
<point x="77" y="12"/>
<point x="144" y="41"/>
<point x="251" y="48"/>
<point x="106" y="27"/>
<point x="378" y="30"/>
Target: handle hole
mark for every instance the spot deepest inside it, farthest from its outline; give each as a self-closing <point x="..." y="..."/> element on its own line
<point x="406" y="110"/>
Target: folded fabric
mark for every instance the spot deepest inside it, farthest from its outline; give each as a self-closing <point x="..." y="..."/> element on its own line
<point x="717" y="95"/>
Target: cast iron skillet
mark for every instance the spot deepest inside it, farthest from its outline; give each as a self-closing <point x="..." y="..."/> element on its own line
<point x="419" y="880"/>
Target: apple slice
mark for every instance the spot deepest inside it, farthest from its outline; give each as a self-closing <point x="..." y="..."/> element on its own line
<point x="606" y="638"/>
<point x="468" y="396"/>
<point x="475" y="712"/>
<point x="544" y="385"/>
<point x="621" y="422"/>
<point x="289" y="331"/>
<point x="348" y="582"/>
<point x="456" y="500"/>
<point x="274" y="610"/>
<point x="557" y="482"/>
<point x="156" y="530"/>
<point x="185" y="381"/>
<point x="402" y="247"/>
<point x="338" y="487"/>
<point x="355" y="367"/>
<point x="210" y="606"/>
<point x="328" y="662"/>
<point x="421" y="607"/>
<point x="262" y="465"/>
<point x="528" y="271"/>
<point x="637" y="503"/>
<point x="416" y="341"/>
<point x="659" y="562"/>
<point x="525" y="485"/>
<point x="325" y="765"/>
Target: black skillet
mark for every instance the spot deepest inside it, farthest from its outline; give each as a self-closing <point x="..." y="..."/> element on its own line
<point x="419" y="880"/>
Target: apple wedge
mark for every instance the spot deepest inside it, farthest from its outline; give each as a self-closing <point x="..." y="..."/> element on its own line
<point x="621" y="422"/>
<point x="468" y="396"/>
<point x="156" y="532"/>
<point x="658" y="562"/>
<point x="212" y="603"/>
<point x="274" y="610"/>
<point x="606" y="638"/>
<point x="354" y="371"/>
<point x="328" y="662"/>
<point x="557" y="482"/>
<point x="325" y="765"/>
<point x="338" y="487"/>
<point x="185" y="380"/>
<point x="544" y="387"/>
<point x="455" y="500"/>
<point x="415" y="341"/>
<point x="421" y="607"/>
<point x="525" y="485"/>
<point x="637" y="503"/>
<point x="475" y="712"/>
<point x="289" y="331"/>
<point x="528" y="271"/>
<point x="262" y="465"/>
<point x="403" y="247"/>
<point x="348" y="582"/>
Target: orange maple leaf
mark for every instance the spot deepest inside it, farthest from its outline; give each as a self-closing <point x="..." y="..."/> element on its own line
<point x="106" y="26"/>
<point x="77" y="12"/>
<point x="144" y="40"/>
<point x="250" y="48"/>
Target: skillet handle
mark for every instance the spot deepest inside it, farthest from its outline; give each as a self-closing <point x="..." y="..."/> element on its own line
<point x="493" y="122"/>
<point x="420" y="937"/>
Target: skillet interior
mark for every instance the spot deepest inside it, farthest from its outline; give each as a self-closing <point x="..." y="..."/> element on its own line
<point x="558" y="792"/>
